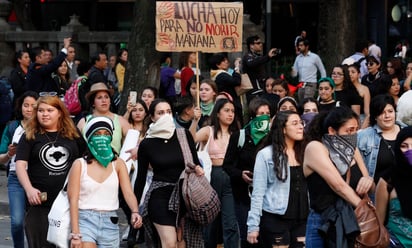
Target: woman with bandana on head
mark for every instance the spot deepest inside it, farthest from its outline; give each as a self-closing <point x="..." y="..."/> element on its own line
<point x="393" y="197"/>
<point x="93" y="188"/>
<point x="279" y="202"/>
<point x="161" y="150"/>
<point x="330" y="155"/>
<point x="240" y="157"/>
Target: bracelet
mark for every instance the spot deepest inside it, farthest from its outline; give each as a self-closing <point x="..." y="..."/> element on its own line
<point x="135" y="212"/>
<point x="75" y="236"/>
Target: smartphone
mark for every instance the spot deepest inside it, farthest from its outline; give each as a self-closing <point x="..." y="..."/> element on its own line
<point x="43" y="196"/>
<point x="133" y="97"/>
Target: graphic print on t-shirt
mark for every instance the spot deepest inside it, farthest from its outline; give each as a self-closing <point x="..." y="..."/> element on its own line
<point x="54" y="157"/>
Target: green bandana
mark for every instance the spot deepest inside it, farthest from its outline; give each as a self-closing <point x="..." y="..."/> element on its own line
<point x="101" y="149"/>
<point x="207" y="108"/>
<point x="259" y="128"/>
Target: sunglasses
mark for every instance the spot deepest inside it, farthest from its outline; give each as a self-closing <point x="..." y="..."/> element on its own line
<point x="371" y="63"/>
<point x="257" y="43"/>
<point x="44" y="93"/>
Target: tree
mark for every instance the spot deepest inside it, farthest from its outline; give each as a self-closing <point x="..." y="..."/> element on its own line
<point x="143" y="66"/>
<point x="337" y="31"/>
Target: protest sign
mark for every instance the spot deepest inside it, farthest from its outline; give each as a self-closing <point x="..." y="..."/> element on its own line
<point x="199" y="26"/>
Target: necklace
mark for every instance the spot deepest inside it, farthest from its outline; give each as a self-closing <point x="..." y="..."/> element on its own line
<point x="50" y="141"/>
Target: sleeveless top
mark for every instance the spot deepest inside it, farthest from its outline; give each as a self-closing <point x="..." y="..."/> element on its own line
<point x="399" y="225"/>
<point x="215" y="151"/>
<point x="98" y="196"/>
<point x="117" y="133"/>
<point x="321" y="195"/>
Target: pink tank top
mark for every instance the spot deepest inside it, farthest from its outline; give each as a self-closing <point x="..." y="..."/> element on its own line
<point x="215" y="152"/>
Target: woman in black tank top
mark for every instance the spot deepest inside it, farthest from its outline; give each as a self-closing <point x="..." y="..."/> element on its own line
<point x="330" y="155"/>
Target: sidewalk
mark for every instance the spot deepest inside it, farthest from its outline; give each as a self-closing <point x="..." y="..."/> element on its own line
<point x="4" y="199"/>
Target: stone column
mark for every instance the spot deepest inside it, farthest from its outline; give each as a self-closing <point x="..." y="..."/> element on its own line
<point x="6" y="52"/>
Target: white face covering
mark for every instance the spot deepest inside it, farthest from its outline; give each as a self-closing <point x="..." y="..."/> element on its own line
<point x="163" y="128"/>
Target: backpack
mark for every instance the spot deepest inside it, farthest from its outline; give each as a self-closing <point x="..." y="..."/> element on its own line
<point x="6" y="100"/>
<point x="201" y="200"/>
<point x="71" y="98"/>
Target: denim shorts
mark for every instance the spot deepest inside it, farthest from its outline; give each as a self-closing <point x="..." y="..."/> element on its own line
<point x="100" y="227"/>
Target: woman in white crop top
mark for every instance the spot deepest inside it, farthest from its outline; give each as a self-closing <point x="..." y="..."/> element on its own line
<point x="93" y="188"/>
<point x="216" y="139"/>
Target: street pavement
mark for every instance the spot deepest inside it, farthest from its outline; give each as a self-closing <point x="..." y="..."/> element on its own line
<point x="5" y="234"/>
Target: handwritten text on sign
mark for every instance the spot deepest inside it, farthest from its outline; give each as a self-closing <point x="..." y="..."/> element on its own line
<point x="199" y="26"/>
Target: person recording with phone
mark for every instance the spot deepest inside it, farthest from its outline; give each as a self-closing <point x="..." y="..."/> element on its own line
<point x="254" y="64"/>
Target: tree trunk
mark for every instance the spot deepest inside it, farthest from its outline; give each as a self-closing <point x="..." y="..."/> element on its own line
<point x="143" y="66"/>
<point x="337" y="31"/>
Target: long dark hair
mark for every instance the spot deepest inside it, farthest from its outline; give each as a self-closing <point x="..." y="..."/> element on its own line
<point x="276" y="138"/>
<point x="215" y="119"/>
<point x="20" y="100"/>
<point x="145" y="120"/>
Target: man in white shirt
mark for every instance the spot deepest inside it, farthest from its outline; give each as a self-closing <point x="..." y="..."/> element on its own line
<point x="374" y="49"/>
<point x="306" y="67"/>
<point x="71" y="63"/>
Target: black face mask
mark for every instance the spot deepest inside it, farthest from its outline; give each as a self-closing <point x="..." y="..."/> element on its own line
<point x="352" y="139"/>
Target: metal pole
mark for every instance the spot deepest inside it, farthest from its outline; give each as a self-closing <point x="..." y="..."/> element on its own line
<point x="268" y="29"/>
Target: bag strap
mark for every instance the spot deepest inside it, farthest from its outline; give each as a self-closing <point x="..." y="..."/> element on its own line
<point x="241" y="140"/>
<point x="184" y="145"/>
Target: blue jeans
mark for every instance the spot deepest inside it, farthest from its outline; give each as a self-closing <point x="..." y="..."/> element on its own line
<point x="101" y="228"/>
<point x="220" y="182"/>
<point x="17" y="205"/>
<point x="313" y="239"/>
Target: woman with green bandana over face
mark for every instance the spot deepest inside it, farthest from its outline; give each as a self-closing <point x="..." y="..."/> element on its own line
<point x="93" y="188"/>
<point x="240" y="160"/>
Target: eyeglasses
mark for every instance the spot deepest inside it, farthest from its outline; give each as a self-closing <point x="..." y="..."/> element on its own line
<point x="44" y="93"/>
<point x="337" y="74"/>
<point x="296" y="123"/>
<point x="257" y="42"/>
<point x="371" y="63"/>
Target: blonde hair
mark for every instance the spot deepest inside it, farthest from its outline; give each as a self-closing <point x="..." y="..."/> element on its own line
<point x="65" y="125"/>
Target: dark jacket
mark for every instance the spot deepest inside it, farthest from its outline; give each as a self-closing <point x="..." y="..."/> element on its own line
<point x="340" y="226"/>
<point x="254" y="65"/>
<point x="39" y="77"/>
<point x="237" y="160"/>
<point x="17" y="80"/>
<point x="96" y="76"/>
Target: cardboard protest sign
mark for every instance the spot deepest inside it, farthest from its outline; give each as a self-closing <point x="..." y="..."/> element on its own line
<point x="199" y="26"/>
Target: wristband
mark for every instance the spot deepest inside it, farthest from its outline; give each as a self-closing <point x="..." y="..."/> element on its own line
<point x="75" y="236"/>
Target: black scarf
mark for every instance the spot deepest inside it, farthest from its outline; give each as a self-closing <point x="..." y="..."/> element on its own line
<point x="341" y="151"/>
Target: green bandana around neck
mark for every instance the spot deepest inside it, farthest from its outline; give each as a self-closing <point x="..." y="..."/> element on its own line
<point x="259" y="127"/>
<point x="101" y="148"/>
<point x="207" y="108"/>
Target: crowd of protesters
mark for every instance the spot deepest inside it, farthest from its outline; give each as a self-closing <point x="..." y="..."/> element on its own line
<point x="280" y="153"/>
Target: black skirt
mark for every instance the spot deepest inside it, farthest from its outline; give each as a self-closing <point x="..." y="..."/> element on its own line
<point x="158" y="207"/>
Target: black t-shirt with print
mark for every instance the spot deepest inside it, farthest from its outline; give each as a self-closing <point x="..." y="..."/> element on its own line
<point x="49" y="157"/>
